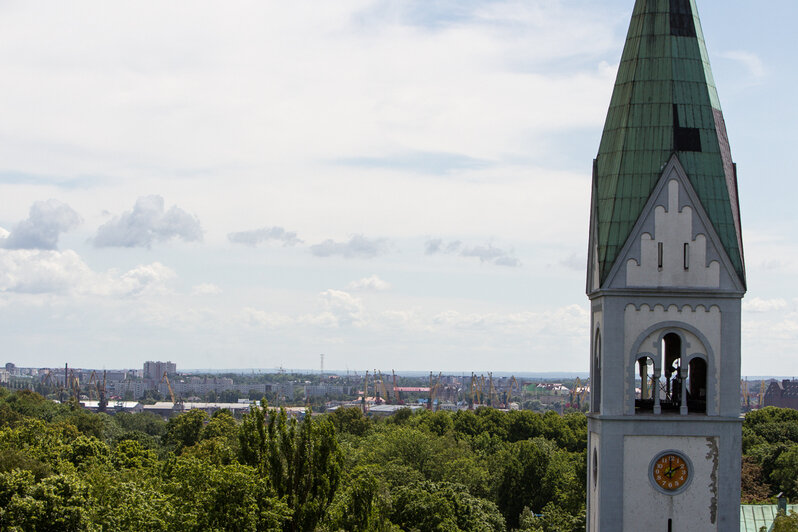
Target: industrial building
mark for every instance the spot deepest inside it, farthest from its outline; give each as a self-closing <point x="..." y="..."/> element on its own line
<point x="782" y="394"/>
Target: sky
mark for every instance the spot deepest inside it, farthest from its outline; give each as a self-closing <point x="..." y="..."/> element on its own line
<point x="393" y="184"/>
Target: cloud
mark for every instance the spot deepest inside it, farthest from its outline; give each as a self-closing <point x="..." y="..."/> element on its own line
<point x="150" y="278"/>
<point x="264" y="234"/>
<point x="437" y="245"/>
<point x="488" y="253"/>
<point x="270" y="320"/>
<point x="344" y="307"/>
<point x="27" y="271"/>
<point x="575" y="261"/>
<point x="206" y="289"/>
<point x="508" y="261"/>
<point x="751" y="61"/>
<point x="357" y="246"/>
<point x="419" y="162"/>
<point x="758" y="304"/>
<point x="23" y="178"/>
<point x="492" y="254"/>
<point x="370" y="284"/>
<point x="148" y="222"/>
<point x="565" y="321"/>
<point x="44" y="225"/>
<point x="42" y="271"/>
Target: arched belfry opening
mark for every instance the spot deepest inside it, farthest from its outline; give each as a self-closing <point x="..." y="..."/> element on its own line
<point x="672" y="371"/>
<point x="645" y="384"/>
<point x="668" y="381"/>
<point x="697" y="386"/>
<point x="595" y="380"/>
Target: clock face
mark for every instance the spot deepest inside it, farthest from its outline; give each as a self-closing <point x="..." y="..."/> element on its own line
<point x="670" y="472"/>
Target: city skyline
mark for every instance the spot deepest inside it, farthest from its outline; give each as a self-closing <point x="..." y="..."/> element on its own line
<point x="401" y="186"/>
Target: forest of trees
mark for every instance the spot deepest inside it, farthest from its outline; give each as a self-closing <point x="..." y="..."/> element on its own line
<point x="63" y="468"/>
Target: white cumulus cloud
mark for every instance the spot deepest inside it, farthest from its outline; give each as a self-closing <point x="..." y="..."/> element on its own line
<point x="758" y="304"/>
<point x="43" y="226"/>
<point x="487" y="253"/>
<point x="437" y="245"/>
<point x="148" y="222"/>
<point x="372" y="284"/>
<point x="264" y="234"/>
<point x="150" y="278"/>
<point x="270" y="320"/>
<point x="343" y="306"/>
<point x="206" y="289"/>
<point x="492" y="254"/>
<point x="29" y="271"/>
<point x="358" y="246"/>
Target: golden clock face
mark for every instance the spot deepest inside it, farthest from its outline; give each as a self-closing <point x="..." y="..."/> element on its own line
<point x="670" y="472"/>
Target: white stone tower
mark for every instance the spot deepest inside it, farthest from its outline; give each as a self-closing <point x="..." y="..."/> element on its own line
<point x="666" y="277"/>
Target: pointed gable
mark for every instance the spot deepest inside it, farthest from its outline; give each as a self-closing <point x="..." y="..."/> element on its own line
<point x="664" y="102"/>
<point x="673" y="244"/>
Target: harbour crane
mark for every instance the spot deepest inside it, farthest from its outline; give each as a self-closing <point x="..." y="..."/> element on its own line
<point x="492" y="396"/>
<point x="433" y="390"/>
<point x="396" y="396"/>
<point x="169" y="386"/>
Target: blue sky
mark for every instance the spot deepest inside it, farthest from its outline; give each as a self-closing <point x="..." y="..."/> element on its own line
<point x="393" y="184"/>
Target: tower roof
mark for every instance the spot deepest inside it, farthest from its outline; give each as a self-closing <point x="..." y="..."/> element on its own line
<point x="664" y="102"/>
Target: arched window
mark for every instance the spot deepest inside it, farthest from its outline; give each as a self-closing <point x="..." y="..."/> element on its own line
<point x="672" y="372"/>
<point x="645" y="384"/>
<point x="595" y="376"/>
<point x="697" y="386"/>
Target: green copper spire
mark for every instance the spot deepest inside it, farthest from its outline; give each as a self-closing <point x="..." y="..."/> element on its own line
<point x="664" y="102"/>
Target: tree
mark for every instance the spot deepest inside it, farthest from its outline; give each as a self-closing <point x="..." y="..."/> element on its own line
<point x="350" y="420"/>
<point x="221" y="425"/>
<point x="55" y="504"/>
<point x="785" y="474"/>
<point x="535" y="473"/>
<point x="786" y="523"/>
<point x="145" y="422"/>
<point x="129" y="454"/>
<point x="754" y="487"/>
<point x="229" y="497"/>
<point x="444" y="506"/>
<point x="184" y="430"/>
<point x="552" y="519"/>
<point x="361" y="504"/>
<point x="86" y="451"/>
<point x="302" y="461"/>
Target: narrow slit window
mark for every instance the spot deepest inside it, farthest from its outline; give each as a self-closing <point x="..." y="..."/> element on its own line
<point x="686" y="256"/>
<point x="659" y="255"/>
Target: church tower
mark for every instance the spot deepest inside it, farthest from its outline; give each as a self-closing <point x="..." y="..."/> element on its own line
<point x="665" y="278"/>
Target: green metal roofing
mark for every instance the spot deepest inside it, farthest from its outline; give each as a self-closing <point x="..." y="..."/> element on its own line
<point x="754" y="517"/>
<point x="664" y="102"/>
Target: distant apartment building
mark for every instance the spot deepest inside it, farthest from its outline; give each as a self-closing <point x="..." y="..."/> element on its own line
<point x="154" y="371"/>
<point x="782" y="394"/>
<point x="120" y="388"/>
<point x="326" y="390"/>
<point x="197" y="386"/>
